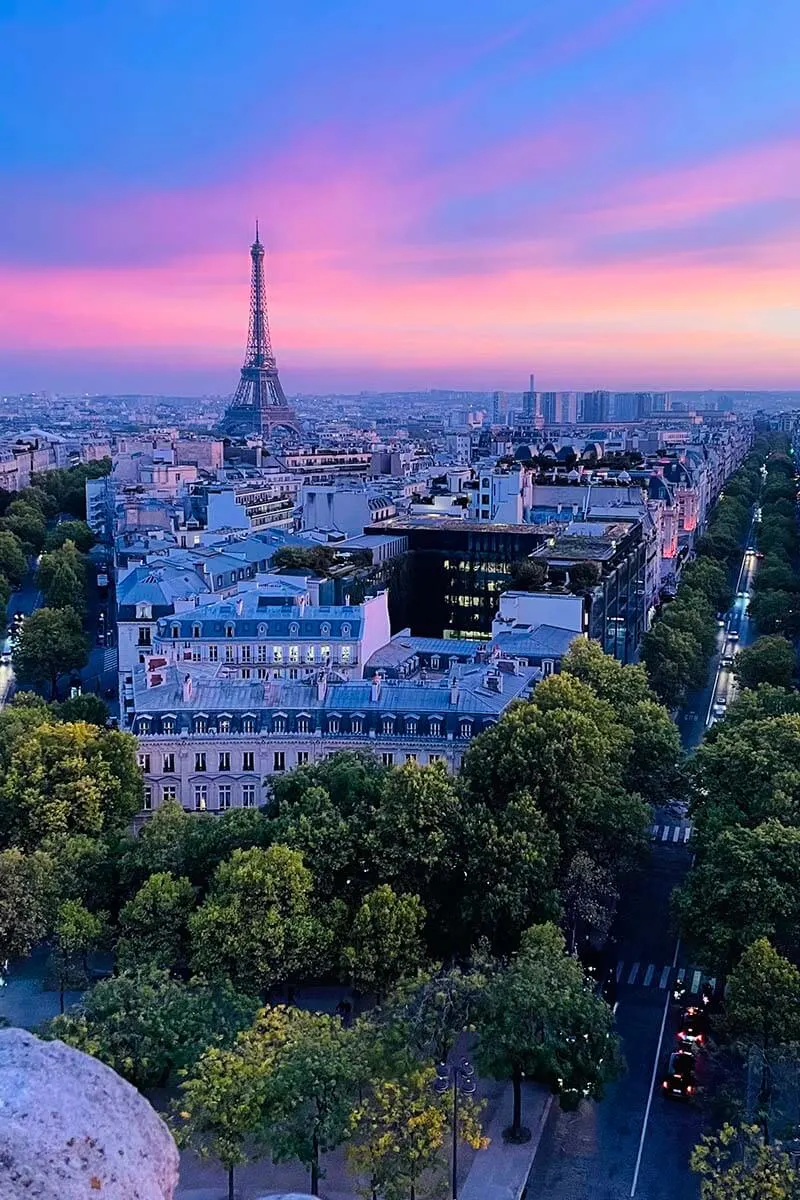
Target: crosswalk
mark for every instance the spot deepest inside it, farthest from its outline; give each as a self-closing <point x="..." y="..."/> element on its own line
<point x="651" y="975"/>
<point x="674" y="835"/>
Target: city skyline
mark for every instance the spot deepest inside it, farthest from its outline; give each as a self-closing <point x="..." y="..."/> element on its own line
<point x="448" y="198"/>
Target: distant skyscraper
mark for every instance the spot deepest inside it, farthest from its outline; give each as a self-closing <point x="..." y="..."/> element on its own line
<point x="499" y="408"/>
<point x="630" y="406"/>
<point x="259" y="404"/>
<point x="529" y="402"/>
<point x="595" y="408"/>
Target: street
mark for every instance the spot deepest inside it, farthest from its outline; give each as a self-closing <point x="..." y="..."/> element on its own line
<point x="635" y="1143"/>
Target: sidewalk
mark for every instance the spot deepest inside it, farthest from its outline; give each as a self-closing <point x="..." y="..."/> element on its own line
<point x="501" y="1171"/>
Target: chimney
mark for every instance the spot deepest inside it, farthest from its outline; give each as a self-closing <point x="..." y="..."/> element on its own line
<point x="375" y="690"/>
<point x="187" y="688"/>
<point x="454" y="690"/>
<point x="494" y="682"/>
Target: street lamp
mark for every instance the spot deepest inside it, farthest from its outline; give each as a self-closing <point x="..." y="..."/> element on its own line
<point x="461" y="1078"/>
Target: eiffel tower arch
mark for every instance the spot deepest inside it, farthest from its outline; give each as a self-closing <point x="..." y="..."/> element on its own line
<point x="259" y="404"/>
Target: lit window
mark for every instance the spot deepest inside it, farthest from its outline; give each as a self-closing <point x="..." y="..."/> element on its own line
<point x="325" y="653"/>
<point x="224" y="725"/>
<point x="277" y="654"/>
<point x="346" y="653"/>
<point x="200" y="797"/>
<point x="310" y="654"/>
<point x="294" y="654"/>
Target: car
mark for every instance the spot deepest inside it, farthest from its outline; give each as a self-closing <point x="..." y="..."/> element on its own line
<point x="733" y="635"/>
<point x="693" y="1028"/>
<point x="759" y="553"/>
<point x="678" y="1081"/>
<point x="727" y="660"/>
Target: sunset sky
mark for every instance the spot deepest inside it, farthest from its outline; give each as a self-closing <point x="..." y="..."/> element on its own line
<point x="451" y="192"/>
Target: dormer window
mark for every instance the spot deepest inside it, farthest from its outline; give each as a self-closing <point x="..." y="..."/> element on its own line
<point x="303" y="724"/>
<point x="333" y="725"/>
<point x="294" y="629"/>
<point x="325" y="629"/>
<point x="356" y="725"/>
<point x="176" y="631"/>
<point x="387" y="725"/>
<point x="168" y="725"/>
<point x="144" y="725"/>
<point x="248" y="725"/>
<point x="229" y="631"/>
<point x="436" y="727"/>
<point x="466" y="729"/>
<point x="224" y="725"/>
<point x="262" y="631"/>
<point x="411" y="726"/>
<point x="200" y="725"/>
<point x="279" y="724"/>
<point x="195" y="631"/>
<point x="346" y="629"/>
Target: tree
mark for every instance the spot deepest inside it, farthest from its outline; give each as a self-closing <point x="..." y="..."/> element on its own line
<point x="84" y="707"/>
<point x="528" y="575"/>
<point x="737" y="1164"/>
<point x="77" y="532"/>
<point x="221" y="1107"/>
<point x="743" y="888"/>
<point x="13" y="563"/>
<point x="542" y="1020"/>
<point x="768" y="660"/>
<point x="26" y="523"/>
<point x="66" y="590"/>
<point x="258" y="926"/>
<point x="27" y="901"/>
<point x="749" y="772"/>
<point x="148" y="1027"/>
<point x="66" y="779"/>
<point x="398" y="1133"/>
<point x="710" y="579"/>
<point x="761" y="998"/>
<point x="432" y="1010"/>
<point x="50" y="644"/>
<point x="583" y="576"/>
<point x="385" y="941"/>
<point x="76" y="932"/>
<point x="776" y="612"/>
<point x="674" y="661"/>
<point x="154" y="925"/>
<point x="414" y="835"/>
<point x="590" y="900"/>
<point x="653" y="766"/>
<point x="314" y="1068"/>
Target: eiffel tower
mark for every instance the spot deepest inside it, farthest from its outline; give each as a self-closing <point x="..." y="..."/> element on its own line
<point x="259" y="404"/>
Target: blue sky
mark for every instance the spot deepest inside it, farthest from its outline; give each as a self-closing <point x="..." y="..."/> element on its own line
<point x="450" y="193"/>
